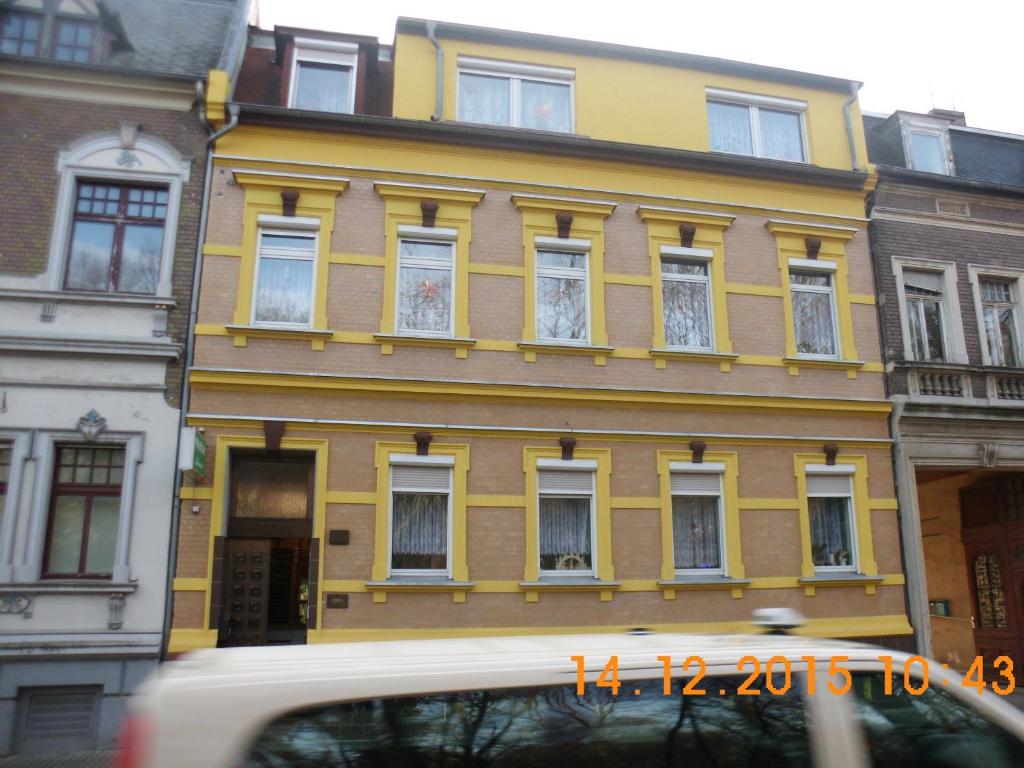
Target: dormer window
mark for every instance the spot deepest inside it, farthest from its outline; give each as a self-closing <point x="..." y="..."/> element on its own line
<point x="73" y="41"/>
<point x="761" y="126"/>
<point x="926" y="144"/>
<point x="324" y="76"/>
<point x="515" y="95"/>
<point x="20" y="34"/>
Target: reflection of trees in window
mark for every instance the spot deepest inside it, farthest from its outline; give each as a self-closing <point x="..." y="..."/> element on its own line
<point x="988" y="581"/>
<point x="534" y="727"/>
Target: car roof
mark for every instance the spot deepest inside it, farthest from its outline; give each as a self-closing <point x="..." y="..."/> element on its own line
<point x="636" y="650"/>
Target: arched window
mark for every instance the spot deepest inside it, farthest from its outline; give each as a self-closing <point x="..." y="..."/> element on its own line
<point x="117" y="214"/>
<point x="988" y="584"/>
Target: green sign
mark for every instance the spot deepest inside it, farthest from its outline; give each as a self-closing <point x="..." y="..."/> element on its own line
<point x="199" y="455"/>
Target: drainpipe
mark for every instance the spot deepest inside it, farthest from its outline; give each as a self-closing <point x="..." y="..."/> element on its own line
<point x="172" y="550"/>
<point x="854" y="87"/>
<point x="432" y="34"/>
<point x="912" y="546"/>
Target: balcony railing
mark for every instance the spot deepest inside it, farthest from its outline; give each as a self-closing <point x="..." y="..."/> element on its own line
<point x="939" y="384"/>
<point x="1006" y="387"/>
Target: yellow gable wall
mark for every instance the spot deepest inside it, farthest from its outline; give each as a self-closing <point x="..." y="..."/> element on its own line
<point x="627" y="101"/>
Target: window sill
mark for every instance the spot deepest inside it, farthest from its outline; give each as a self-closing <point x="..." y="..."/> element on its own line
<point x="840" y="579"/>
<point x="388" y="342"/>
<point x="696" y="582"/>
<point x="69" y="587"/>
<point x="85" y="297"/>
<point x="724" y="359"/>
<point x="424" y="584"/>
<point x="585" y="584"/>
<point x="531" y="348"/>
<point x="796" y="362"/>
<point x="316" y="337"/>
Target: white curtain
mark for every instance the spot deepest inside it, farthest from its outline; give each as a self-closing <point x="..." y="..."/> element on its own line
<point x="830" y="531"/>
<point x="419" y="532"/>
<point x="729" y="126"/>
<point x="545" y="106"/>
<point x="695" y="534"/>
<point x="284" y="291"/>
<point x="484" y="99"/>
<point x="812" y="320"/>
<point x="780" y="135"/>
<point x="565" y="534"/>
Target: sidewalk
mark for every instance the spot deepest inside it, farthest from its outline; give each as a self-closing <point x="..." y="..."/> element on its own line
<point x="66" y="760"/>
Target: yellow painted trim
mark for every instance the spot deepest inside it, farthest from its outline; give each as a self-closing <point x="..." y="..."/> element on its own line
<point x="603" y="568"/>
<point x="356" y="259"/>
<point x="219" y="509"/>
<point x="862" y="298"/>
<point x="402" y="206"/>
<point x="884" y="504"/>
<point x="663" y="229"/>
<point x="616" y="279"/>
<point x="317" y="339"/>
<point x="215" y="249"/>
<point x="790" y="243"/>
<point x="263" y="195"/>
<point x="730" y="507"/>
<point x="459" y="567"/>
<point x="182" y="584"/>
<point x="765" y="503"/>
<point x="199" y="493"/>
<point x="183" y="640"/>
<point x="636" y="502"/>
<point x="494" y="500"/>
<point x="218" y="91"/>
<point x="846" y="626"/>
<point x="351" y="497"/>
<point x="246" y="381"/>
<point x="505" y="270"/>
<point x="866" y="564"/>
<point x="508" y="586"/>
<point x="588" y="223"/>
<point x="749" y="289"/>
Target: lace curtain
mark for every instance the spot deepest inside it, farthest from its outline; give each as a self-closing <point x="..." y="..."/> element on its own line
<point x="323" y="87"/>
<point x="695" y="534"/>
<point x="686" y="314"/>
<point x="729" y="126"/>
<point x="565" y="534"/>
<point x="545" y="106"/>
<point x="780" y="135"/>
<point x="484" y="99"/>
<point x="830" y="531"/>
<point x="419" y="530"/>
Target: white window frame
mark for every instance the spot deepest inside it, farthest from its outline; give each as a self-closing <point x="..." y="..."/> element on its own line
<point x="571" y="465"/>
<point x="407" y="460"/>
<point x="953" y="326"/>
<point x="849" y="471"/>
<point x="440" y="235"/>
<point x="116" y="157"/>
<point x="825" y="268"/>
<point x="704" y="468"/>
<point x="516" y="73"/>
<point x="754" y="104"/>
<point x="286" y="226"/>
<point x="706" y="256"/>
<point x="931" y="127"/>
<point x="335" y="53"/>
<point x="561" y="245"/>
<point x="975" y="274"/>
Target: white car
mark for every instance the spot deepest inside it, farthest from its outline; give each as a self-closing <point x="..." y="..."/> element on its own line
<point x="743" y="700"/>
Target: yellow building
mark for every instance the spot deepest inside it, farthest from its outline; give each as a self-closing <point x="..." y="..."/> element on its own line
<point x="575" y="337"/>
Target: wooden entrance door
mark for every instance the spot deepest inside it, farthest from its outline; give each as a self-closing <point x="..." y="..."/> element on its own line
<point x="247" y="589"/>
<point x="993" y="536"/>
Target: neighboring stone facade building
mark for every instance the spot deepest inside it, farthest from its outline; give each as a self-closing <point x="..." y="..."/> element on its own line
<point x="947" y="233"/>
<point x="102" y="185"/>
<point x="581" y="338"/>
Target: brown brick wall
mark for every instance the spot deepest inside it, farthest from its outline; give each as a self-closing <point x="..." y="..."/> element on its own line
<point x="36" y="129"/>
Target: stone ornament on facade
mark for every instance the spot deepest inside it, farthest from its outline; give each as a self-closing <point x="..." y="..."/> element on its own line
<point x="91" y="425"/>
<point x="11" y="603"/>
<point x="988" y="454"/>
<point x="115" y="619"/>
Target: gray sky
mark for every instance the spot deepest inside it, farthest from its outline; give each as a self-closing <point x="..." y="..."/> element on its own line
<point x="910" y="54"/>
